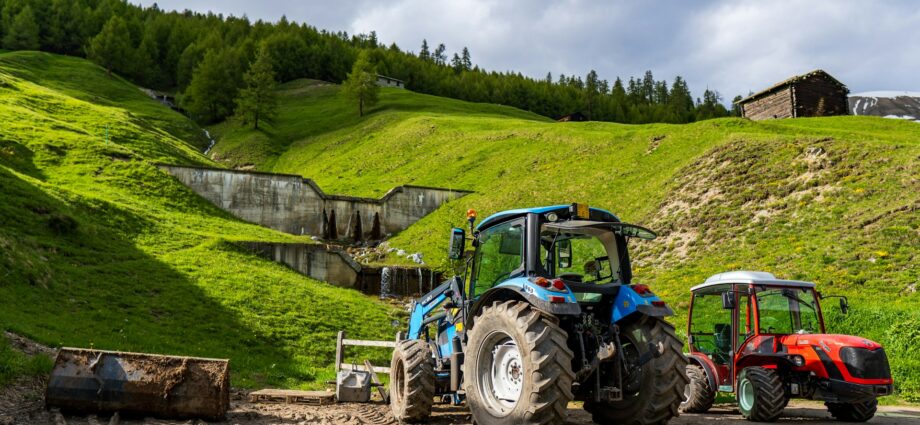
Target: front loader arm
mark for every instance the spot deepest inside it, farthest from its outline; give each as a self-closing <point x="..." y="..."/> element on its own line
<point x="419" y="316"/>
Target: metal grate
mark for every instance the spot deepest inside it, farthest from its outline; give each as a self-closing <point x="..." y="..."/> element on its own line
<point x="864" y="363"/>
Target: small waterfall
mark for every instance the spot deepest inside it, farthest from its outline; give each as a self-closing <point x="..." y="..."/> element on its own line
<point x="421" y="281"/>
<point x="385" y="282"/>
<point x="211" y="143"/>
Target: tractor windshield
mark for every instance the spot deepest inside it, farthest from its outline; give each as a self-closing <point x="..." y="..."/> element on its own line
<point x="787" y="310"/>
<point x="583" y="255"/>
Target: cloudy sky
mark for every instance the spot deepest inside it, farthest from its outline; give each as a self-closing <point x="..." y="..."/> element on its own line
<point x="731" y="46"/>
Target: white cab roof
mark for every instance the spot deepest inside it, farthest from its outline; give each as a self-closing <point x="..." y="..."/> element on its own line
<point x="749" y="277"/>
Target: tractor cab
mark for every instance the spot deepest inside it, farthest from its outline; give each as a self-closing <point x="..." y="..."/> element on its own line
<point x="764" y="339"/>
<point x="733" y="315"/>
<point x="560" y="272"/>
<point x="564" y="253"/>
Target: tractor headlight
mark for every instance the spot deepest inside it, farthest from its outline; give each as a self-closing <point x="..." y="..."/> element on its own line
<point x="798" y="361"/>
<point x="552" y="217"/>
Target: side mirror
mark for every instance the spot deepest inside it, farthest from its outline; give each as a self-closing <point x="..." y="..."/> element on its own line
<point x="844" y="302"/>
<point x="457" y="243"/>
<point x="565" y="253"/>
<point x="728" y="300"/>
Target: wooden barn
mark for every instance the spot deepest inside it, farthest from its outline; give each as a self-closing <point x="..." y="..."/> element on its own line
<point x="574" y="117"/>
<point x="813" y="94"/>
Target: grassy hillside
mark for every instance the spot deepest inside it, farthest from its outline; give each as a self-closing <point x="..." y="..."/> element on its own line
<point x="308" y="108"/>
<point x="102" y="249"/>
<point x="833" y="200"/>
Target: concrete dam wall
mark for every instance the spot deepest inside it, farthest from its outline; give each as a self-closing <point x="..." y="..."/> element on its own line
<point x="296" y="205"/>
<point x="330" y="263"/>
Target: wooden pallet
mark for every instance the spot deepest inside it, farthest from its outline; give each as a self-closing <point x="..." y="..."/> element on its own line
<point x="292" y="397"/>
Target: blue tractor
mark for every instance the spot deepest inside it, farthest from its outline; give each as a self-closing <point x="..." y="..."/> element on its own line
<point x="544" y="312"/>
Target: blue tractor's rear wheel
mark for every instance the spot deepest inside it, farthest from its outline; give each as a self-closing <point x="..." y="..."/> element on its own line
<point x="653" y="391"/>
<point x="518" y="368"/>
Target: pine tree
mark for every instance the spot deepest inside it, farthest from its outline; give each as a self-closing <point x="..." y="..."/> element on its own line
<point x="361" y="84"/>
<point x="591" y="94"/>
<point x="23" y="33"/>
<point x="111" y="48"/>
<point x="65" y="33"/>
<point x="440" y="57"/>
<point x="736" y="107"/>
<point x="257" y="100"/>
<point x="456" y="63"/>
<point x="424" y="54"/>
<point x="466" y="60"/>
<point x="210" y="95"/>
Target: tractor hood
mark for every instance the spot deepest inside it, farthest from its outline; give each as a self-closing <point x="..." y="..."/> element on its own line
<point x="828" y="341"/>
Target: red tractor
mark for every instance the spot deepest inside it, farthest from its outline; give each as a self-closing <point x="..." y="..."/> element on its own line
<point x="763" y="339"/>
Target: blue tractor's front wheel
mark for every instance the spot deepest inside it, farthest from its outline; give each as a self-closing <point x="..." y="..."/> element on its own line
<point x="412" y="381"/>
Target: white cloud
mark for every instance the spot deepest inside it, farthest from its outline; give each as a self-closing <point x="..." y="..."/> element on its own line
<point x="732" y="46"/>
<point x="750" y="45"/>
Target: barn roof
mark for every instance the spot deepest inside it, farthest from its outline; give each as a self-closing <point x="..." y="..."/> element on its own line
<point x="389" y="78"/>
<point x="792" y="80"/>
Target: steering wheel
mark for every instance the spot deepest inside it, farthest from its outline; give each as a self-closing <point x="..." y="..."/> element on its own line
<point x="574" y="277"/>
<point x="711" y="344"/>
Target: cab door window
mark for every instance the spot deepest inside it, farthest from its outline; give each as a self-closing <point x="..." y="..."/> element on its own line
<point x="499" y="256"/>
<point x="710" y="327"/>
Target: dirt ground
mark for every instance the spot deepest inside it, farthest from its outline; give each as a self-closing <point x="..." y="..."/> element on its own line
<point x="244" y="413"/>
<point x="23" y="403"/>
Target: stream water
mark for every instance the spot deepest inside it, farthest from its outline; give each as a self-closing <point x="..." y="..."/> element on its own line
<point x="211" y="142"/>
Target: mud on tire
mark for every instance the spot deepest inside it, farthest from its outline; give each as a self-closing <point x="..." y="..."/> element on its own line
<point x="543" y="361"/>
<point x="699" y="394"/>
<point x="853" y="412"/>
<point x="761" y="396"/>
<point x="412" y="381"/>
<point x="657" y="392"/>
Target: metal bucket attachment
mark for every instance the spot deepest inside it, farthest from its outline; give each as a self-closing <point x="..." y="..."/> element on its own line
<point x="95" y="381"/>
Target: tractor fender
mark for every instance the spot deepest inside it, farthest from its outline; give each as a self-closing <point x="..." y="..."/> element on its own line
<point x="515" y="289"/>
<point x="708" y="367"/>
<point x="628" y="302"/>
<point x="765" y="360"/>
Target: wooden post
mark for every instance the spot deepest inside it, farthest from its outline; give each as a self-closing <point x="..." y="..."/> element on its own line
<point x="338" y="352"/>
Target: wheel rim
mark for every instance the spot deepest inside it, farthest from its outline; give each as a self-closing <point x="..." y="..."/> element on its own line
<point x="746" y="394"/>
<point x="501" y="372"/>
<point x="398" y="384"/>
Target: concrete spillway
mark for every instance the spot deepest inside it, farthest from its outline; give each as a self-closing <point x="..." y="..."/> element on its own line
<point x="296" y="205"/>
<point x="330" y="263"/>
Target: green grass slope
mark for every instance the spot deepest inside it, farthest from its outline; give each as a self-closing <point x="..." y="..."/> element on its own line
<point x="309" y="108"/>
<point x="833" y="200"/>
<point x="102" y="249"/>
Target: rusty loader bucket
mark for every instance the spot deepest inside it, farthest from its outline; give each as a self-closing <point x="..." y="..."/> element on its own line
<point x="94" y="381"/>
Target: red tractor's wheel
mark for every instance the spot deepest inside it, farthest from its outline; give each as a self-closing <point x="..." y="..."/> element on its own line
<point x="699" y="394"/>
<point x="853" y="412"/>
<point x="760" y="394"/>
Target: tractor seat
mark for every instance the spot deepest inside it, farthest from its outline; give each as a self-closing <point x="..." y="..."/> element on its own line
<point x="723" y="342"/>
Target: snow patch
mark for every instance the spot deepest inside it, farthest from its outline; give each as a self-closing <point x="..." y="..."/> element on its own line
<point x="902" y="117"/>
<point x="887" y="93"/>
